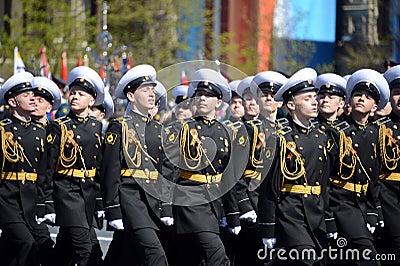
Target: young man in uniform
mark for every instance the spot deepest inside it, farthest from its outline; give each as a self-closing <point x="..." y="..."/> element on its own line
<point x="204" y="150"/>
<point x="73" y="163"/>
<point x="130" y="183"/>
<point x="353" y="192"/>
<point x="291" y="201"/>
<point x="22" y="173"/>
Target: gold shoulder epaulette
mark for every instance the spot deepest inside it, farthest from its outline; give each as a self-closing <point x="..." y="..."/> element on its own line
<point x="341" y="126"/>
<point x="5" y="122"/>
<point x="254" y="122"/>
<point x="382" y="121"/>
<point x="62" y="120"/>
<point x="283" y="130"/>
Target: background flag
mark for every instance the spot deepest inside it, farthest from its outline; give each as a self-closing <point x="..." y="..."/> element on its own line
<point x="64" y="71"/>
<point x="44" y="64"/>
<point x="19" y="65"/>
<point x="184" y="80"/>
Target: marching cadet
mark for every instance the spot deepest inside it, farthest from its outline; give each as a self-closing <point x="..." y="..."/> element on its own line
<point x="331" y="98"/>
<point x="390" y="169"/>
<point x="182" y="108"/>
<point x="264" y="86"/>
<point x="236" y="107"/>
<point x="130" y="182"/>
<point x="161" y="101"/>
<point x="291" y="203"/>
<point x="22" y="174"/>
<point x="353" y="193"/>
<point x="205" y="152"/>
<point x="47" y="99"/>
<point x="73" y="162"/>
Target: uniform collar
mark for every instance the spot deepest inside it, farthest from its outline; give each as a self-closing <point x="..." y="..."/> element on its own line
<point x="21" y="122"/>
<point x="301" y="128"/>
<point x="141" y="117"/>
<point x="80" y="119"/>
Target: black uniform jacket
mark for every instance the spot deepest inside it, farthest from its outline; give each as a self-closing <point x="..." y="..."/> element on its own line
<point x="389" y="194"/>
<point x="353" y="193"/>
<point x="291" y="202"/>
<point x="133" y="160"/>
<point x="210" y="156"/>
<point x="22" y="171"/>
<point x="73" y="163"/>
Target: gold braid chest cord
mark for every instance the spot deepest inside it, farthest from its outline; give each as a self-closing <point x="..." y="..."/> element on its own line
<point x="184" y="147"/>
<point x="67" y="138"/>
<point x="136" y="160"/>
<point x="346" y="149"/>
<point x="254" y="161"/>
<point x="299" y="170"/>
<point x="387" y="133"/>
<point x="12" y="150"/>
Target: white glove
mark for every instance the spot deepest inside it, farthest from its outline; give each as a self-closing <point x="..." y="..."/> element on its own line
<point x="235" y="230"/>
<point x="50" y="218"/>
<point x="1" y="232"/>
<point x="223" y="222"/>
<point x="117" y="224"/>
<point x="168" y="221"/>
<point x="101" y="214"/>
<point x="269" y="242"/>
<point x="381" y="224"/>
<point x="332" y="235"/>
<point x="371" y="229"/>
<point x="250" y="216"/>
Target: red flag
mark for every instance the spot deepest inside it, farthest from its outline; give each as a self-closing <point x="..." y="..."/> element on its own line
<point x="129" y="64"/>
<point x="102" y="73"/>
<point x="44" y="64"/>
<point x="184" y="80"/>
<point x="116" y="64"/>
<point x="79" y="63"/>
<point x="64" y="71"/>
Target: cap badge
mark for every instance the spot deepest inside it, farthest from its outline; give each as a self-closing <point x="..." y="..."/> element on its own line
<point x="328" y="85"/>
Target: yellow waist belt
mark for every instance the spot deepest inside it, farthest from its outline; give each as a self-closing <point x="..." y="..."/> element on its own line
<point x="251" y="174"/>
<point x="301" y="189"/>
<point x="21" y="176"/>
<point x="357" y="188"/>
<point x="137" y="173"/>
<point x="78" y="173"/>
<point x="390" y="177"/>
<point x="200" y="178"/>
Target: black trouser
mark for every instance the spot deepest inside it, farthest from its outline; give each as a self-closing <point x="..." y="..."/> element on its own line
<point x="146" y="243"/>
<point x="96" y="255"/>
<point x="248" y="244"/>
<point x="117" y="253"/>
<point x="73" y="245"/>
<point x="17" y="245"/>
<point x="194" y="247"/>
<point x="301" y="255"/>
<point x="45" y="244"/>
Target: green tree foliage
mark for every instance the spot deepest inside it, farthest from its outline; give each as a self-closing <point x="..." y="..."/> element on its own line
<point x="57" y="25"/>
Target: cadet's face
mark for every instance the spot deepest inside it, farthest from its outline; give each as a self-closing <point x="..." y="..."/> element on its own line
<point x="329" y="103"/>
<point x="362" y="102"/>
<point x="251" y="106"/>
<point x="25" y="101"/>
<point x="206" y="103"/>
<point x="236" y="107"/>
<point x="305" y="105"/>
<point x="267" y="102"/>
<point x="79" y="100"/>
<point x="42" y="107"/>
<point x="395" y="100"/>
<point x="143" y="98"/>
<point x="183" y="110"/>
